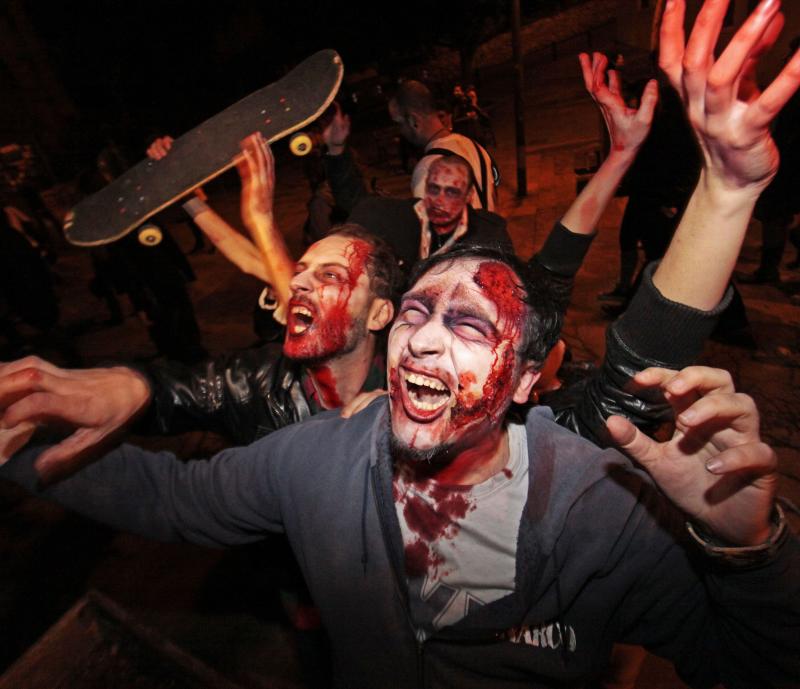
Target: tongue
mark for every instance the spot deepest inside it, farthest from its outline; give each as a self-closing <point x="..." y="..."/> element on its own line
<point x="426" y="394"/>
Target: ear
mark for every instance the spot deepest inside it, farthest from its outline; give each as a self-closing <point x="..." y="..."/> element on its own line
<point x="527" y="378"/>
<point x="381" y="313"/>
<point x="413" y="121"/>
<point x="471" y="194"/>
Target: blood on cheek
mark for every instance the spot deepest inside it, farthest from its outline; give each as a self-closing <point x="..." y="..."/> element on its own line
<point x="334" y="321"/>
<point x="500" y="285"/>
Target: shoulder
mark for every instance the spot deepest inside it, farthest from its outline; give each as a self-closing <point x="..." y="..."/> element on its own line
<point x="326" y="444"/>
<point x="457" y="143"/>
<point x="486" y="228"/>
<point x="486" y="218"/>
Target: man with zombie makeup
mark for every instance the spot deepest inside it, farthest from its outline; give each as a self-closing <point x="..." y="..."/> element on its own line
<point x="342" y="296"/>
<point x="415" y="228"/>
<point x="413" y="109"/>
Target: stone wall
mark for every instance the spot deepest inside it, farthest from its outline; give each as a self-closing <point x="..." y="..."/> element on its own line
<point x="544" y="32"/>
<point x="540" y="35"/>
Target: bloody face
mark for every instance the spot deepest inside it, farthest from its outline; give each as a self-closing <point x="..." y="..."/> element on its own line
<point x="446" y="195"/>
<point x="452" y="356"/>
<point x="330" y="300"/>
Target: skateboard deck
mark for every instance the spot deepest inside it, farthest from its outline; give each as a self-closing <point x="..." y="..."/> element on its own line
<point x="205" y="152"/>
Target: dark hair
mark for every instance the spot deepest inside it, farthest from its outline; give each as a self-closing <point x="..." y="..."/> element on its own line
<point x="414" y="96"/>
<point x="385" y="276"/>
<point x="545" y="318"/>
<point x="455" y="159"/>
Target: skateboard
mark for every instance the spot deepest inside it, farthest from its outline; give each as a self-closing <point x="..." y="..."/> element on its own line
<point x="205" y="152"/>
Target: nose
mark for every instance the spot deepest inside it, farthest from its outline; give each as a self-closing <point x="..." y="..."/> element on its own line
<point x="428" y="340"/>
<point x="301" y="282"/>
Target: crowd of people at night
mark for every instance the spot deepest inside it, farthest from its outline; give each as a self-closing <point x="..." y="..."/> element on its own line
<point x="458" y="515"/>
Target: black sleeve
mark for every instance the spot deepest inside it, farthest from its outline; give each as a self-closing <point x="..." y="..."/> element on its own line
<point x="345" y="178"/>
<point x="230" y="499"/>
<point x="653" y="331"/>
<point x="559" y="259"/>
<point x="223" y="395"/>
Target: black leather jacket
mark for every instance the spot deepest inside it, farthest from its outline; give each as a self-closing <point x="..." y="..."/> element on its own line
<point x="249" y="394"/>
<point x="243" y="396"/>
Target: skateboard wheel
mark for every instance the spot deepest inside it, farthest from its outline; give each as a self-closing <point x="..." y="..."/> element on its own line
<point x="150" y="235"/>
<point x="301" y="144"/>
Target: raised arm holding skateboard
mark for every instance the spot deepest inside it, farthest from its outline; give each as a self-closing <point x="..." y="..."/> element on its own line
<point x="266" y="256"/>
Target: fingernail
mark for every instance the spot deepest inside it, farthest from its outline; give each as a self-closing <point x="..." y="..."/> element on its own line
<point x="714" y="465"/>
<point x="687" y="416"/>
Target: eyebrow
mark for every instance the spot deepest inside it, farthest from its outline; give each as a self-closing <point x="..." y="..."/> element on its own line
<point x="422" y="297"/>
<point x="330" y="264"/>
<point x="468" y="310"/>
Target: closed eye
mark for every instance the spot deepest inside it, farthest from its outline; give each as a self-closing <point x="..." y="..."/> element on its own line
<point x="472" y="329"/>
<point x="413" y="312"/>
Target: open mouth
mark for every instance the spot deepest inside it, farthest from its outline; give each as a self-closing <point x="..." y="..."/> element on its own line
<point x="426" y="395"/>
<point x="300" y="319"/>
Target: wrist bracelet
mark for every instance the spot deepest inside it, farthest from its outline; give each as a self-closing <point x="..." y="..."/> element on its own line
<point x="194" y="206"/>
<point x="744" y="556"/>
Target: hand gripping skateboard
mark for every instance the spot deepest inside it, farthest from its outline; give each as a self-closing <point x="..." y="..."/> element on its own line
<point x="205" y="152"/>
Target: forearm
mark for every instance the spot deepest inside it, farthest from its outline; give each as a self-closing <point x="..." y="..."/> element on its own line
<point x="585" y="212"/>
<point x="231" y="244"/>
<point x="277" y="262"/>
<point x="653" y="331"/>
<point x="559" y="260"/>
<point x="223" y="501"/>
<point x="698" y="264"/>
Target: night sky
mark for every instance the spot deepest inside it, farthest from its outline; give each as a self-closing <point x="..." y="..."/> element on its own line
<point x="135" y="70"/>
<point x="172" y="64"/>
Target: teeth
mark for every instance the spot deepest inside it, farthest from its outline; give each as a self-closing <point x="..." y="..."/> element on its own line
<point x="417" y="379"/>
<point x="426" y="406"/>
<point x="301" y="310"/>
<point x="299" y="329"/>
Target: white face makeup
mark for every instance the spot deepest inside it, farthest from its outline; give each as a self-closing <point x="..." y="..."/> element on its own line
<point x="452" y="357"/>
<point x="446" y="194"/>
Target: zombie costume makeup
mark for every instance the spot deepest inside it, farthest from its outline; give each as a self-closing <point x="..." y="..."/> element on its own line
<point x="453" y="364"/>
<point x="330" y="297"/>
<point x="446" y="194"/>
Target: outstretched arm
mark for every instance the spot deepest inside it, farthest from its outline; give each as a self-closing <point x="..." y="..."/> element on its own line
<point x="231" y="244"/>
<point x="98" y="403"/>
<point x="627" y="127"/>
<point x="569" y="241"/>
<point x="237" y="248"/>
<point x="676" y="306"/>
<point x="731" y="120"/>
